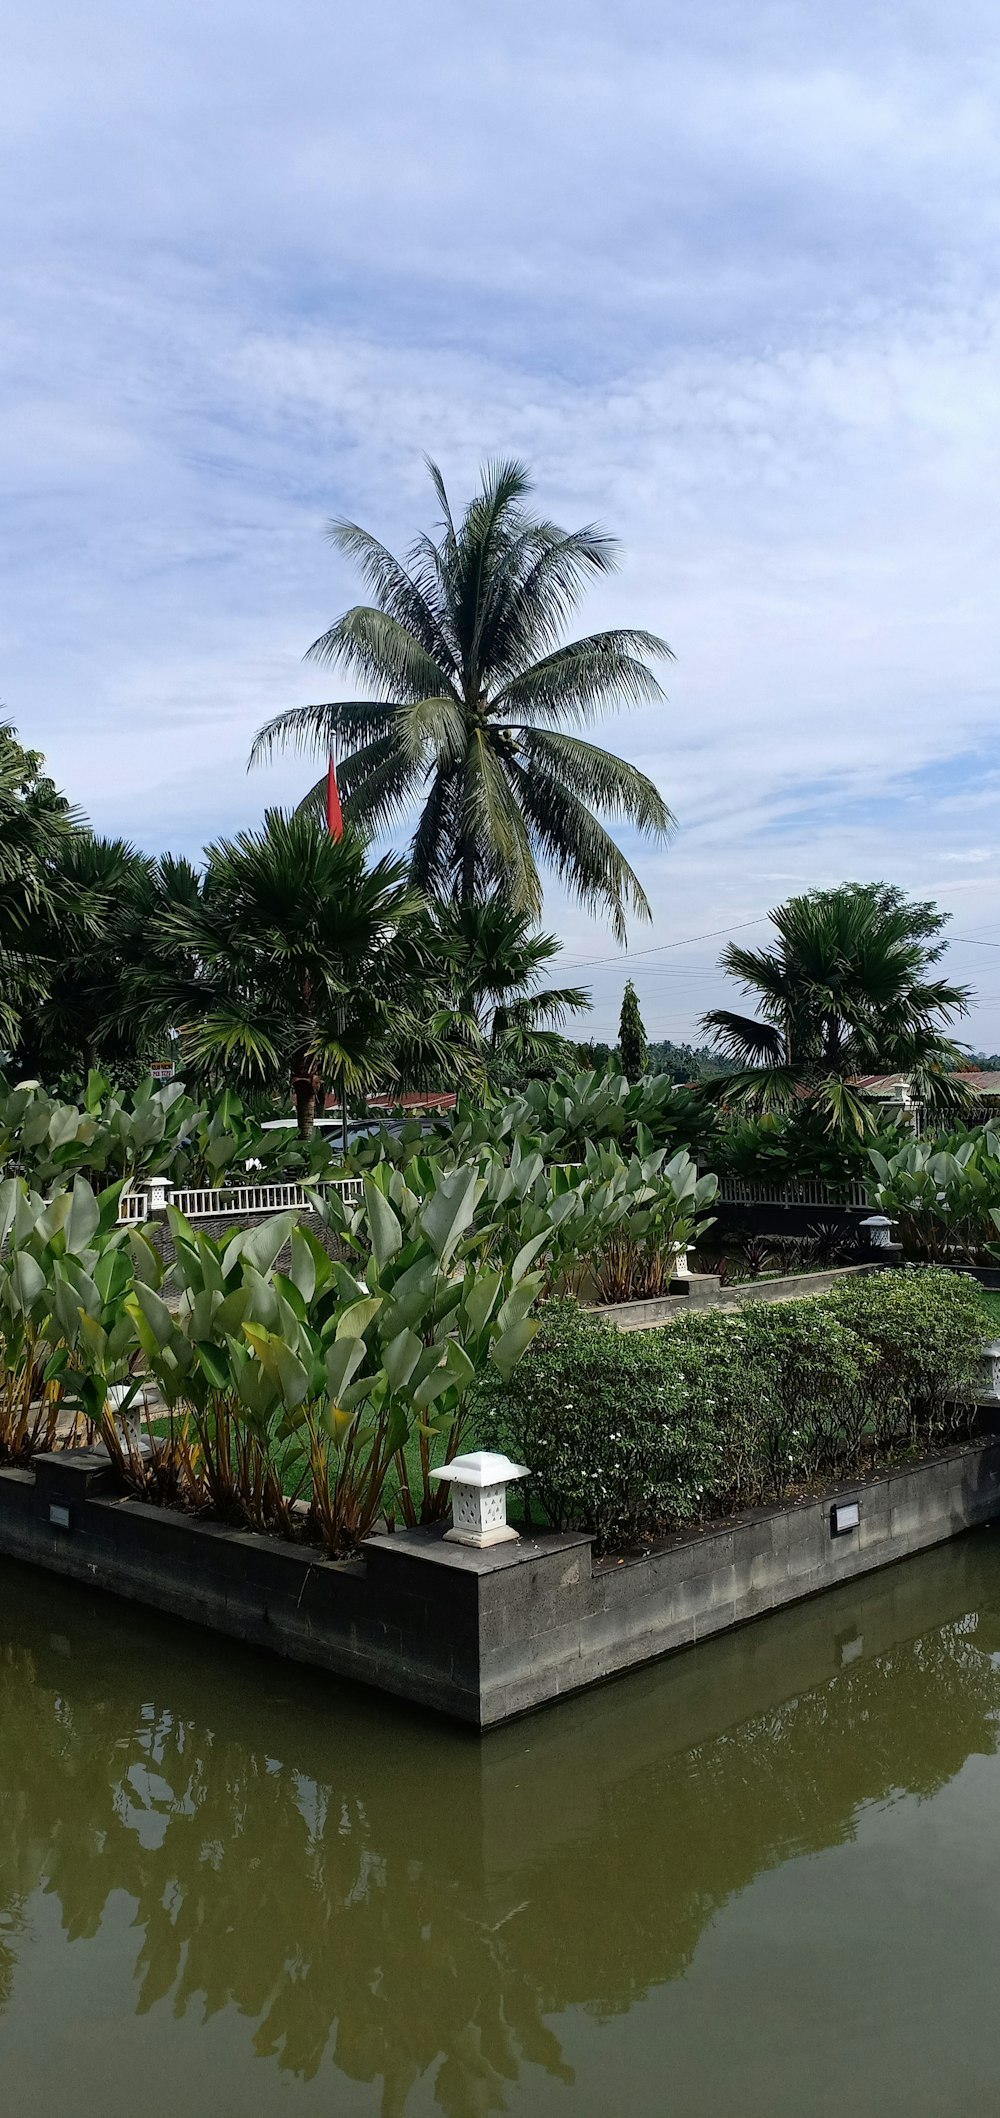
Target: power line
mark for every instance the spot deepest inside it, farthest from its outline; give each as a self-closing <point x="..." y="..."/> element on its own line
<point x="592" y="963"/>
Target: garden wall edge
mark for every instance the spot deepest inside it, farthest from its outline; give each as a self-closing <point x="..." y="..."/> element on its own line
<point x="481" y="1636"/>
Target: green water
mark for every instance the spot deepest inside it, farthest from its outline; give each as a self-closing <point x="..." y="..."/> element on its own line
<point x="761" y="1880"/>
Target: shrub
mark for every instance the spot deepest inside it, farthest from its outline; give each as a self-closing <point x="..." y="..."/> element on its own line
<point x="919" y="1335"/>
<point x="630" y="1435"/>
<point x="602" y="1420"/>
<point x="782" y="1384"/>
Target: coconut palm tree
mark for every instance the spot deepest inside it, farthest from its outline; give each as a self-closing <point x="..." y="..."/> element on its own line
<point x="293" y="962"/>
<point x="474" y="702"/>
<point x="847" y="989"/>
<point x="488" y="964"/>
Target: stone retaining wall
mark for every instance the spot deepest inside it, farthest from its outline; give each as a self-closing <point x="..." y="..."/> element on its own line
<point x="482" y="1636"/>
<point x="704" y="1292"/>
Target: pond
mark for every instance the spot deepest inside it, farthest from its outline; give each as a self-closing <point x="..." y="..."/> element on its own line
<point x="760" y="1879"/>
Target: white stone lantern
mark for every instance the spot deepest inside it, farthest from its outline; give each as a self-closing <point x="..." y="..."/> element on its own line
<point x="878" y="1226"/>
<point x="479" y="1497"/>
<point x="988" y="1392"/>
<point x="158" y="1190"/>
<point x="127" y="1421"/>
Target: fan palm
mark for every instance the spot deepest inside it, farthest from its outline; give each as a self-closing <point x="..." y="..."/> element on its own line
<point x="847" y="989"/>
<point x="475" y="703"/>
<point x="292" y="961"/>
<point x="96" y="922"/>
<point x="489" y="964"/>
<point x="36" y="824"/>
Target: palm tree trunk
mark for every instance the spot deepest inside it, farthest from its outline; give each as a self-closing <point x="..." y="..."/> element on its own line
<point x="467" y="889"/>
<point x="304" y="1089"/>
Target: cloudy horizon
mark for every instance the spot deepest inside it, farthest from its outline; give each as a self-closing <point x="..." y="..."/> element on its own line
<point x="728" y="285"/>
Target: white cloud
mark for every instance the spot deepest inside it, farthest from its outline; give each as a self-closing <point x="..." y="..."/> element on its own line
<point x="724" y="277"/>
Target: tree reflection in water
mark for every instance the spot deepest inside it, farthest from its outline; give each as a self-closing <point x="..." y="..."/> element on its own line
<point x="384" y="1894"/>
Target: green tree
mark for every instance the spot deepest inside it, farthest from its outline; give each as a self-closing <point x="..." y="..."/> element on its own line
<point x="633" y="1049"/>
<point x="846" y="989"/>
<point x="489" y="964"/>
<point x="475" y="699"/>
<point x="36" y="823"/>
<point x="294" y="962"/>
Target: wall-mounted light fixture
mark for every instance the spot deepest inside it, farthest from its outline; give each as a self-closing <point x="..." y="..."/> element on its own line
<point x="845" y="1516"/>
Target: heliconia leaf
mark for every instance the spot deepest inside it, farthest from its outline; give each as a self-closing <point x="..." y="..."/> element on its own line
<point x="28" y="1278"/>
<point x="458" y="1362"/>
<point x="262" y="1245"/>
<point x="343" y="1359"/>
<point x="434" y="1385"/>
<point x="303" y="1266"/>
<point x="146" y="1261"/>
<point x="527" y="1254"/>
<point x="506" y="1351"/>
<point x="354" y="1322"/>
<point x="336" y="1422"/>
<point x="84" y="1215"/>
<point x="449" y="1210"/>
<point x="400" y="1357"/>
<point x="156" y="1313"/>
<point x="10" y="1192"/>
<point x="214" y="1366"/>
<point x="384" y="1229"/>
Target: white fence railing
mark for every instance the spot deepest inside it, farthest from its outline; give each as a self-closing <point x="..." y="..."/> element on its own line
<point x="225" y="1202"/>
<point x="133" y="1206"/>
<point x="739" y="1191"/>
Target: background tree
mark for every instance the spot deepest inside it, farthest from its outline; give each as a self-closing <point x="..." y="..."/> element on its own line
<point x="845" y="990"/>
<point x="633" y="1049"/>
<point x="488" y="964"/>
<point x="292" y="964"/>
<point x="474" y="700"/>
<point x="36" y="823"/>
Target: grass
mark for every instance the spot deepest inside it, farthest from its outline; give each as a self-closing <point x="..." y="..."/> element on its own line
<point x="991" y="1301"/>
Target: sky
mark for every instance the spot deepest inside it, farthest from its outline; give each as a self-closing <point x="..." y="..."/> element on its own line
<point x="724" y="277"/>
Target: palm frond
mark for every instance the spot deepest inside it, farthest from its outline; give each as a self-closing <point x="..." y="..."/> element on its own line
<point x="607" y="782"/>
<point x="374" y="646"/>
<point x="742" y="1037"/>
<point x="390" y="583"/>
<point x="599" y="674"/>
<point x="583" y="854"/>
<point x="493" y="825"/>
<point x="321" y="728"/>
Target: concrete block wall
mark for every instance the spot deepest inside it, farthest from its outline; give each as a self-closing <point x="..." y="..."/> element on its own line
<point x="480" y="1635"/>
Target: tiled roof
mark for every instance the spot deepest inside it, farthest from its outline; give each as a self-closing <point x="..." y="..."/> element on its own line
<point x="983" y="1081"/>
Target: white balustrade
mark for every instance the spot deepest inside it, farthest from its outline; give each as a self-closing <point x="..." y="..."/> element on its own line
<point x="227" y="1201"/>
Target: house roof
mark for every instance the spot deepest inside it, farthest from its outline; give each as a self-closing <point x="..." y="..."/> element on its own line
<point x="414" y="1099"/>
<point x="983" y="1081"/>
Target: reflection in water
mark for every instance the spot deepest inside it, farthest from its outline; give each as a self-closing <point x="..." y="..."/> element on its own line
<point x="382" y="1895"/>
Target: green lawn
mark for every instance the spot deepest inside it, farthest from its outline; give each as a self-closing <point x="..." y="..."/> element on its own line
<point x="991" y="1297"/>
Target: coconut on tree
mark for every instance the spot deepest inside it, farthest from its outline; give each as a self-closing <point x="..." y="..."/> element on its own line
<point x="473" y="700"/>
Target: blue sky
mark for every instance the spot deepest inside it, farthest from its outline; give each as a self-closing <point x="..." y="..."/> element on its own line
<point x="725" y="276"/>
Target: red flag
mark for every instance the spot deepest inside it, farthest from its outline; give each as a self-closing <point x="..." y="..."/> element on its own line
<point x="334" y="813"/>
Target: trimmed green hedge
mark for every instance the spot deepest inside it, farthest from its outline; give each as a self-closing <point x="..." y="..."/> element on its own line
<point x="630" y="1435"/>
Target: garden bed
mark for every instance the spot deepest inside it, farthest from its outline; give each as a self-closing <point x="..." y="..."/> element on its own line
<point x="482" y="1635"/>
<point x="705" y="1291"/>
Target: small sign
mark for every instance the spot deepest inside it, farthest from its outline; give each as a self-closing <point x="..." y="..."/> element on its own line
<point x="162" y="1070"/>
<point x="59" y="1517"/>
